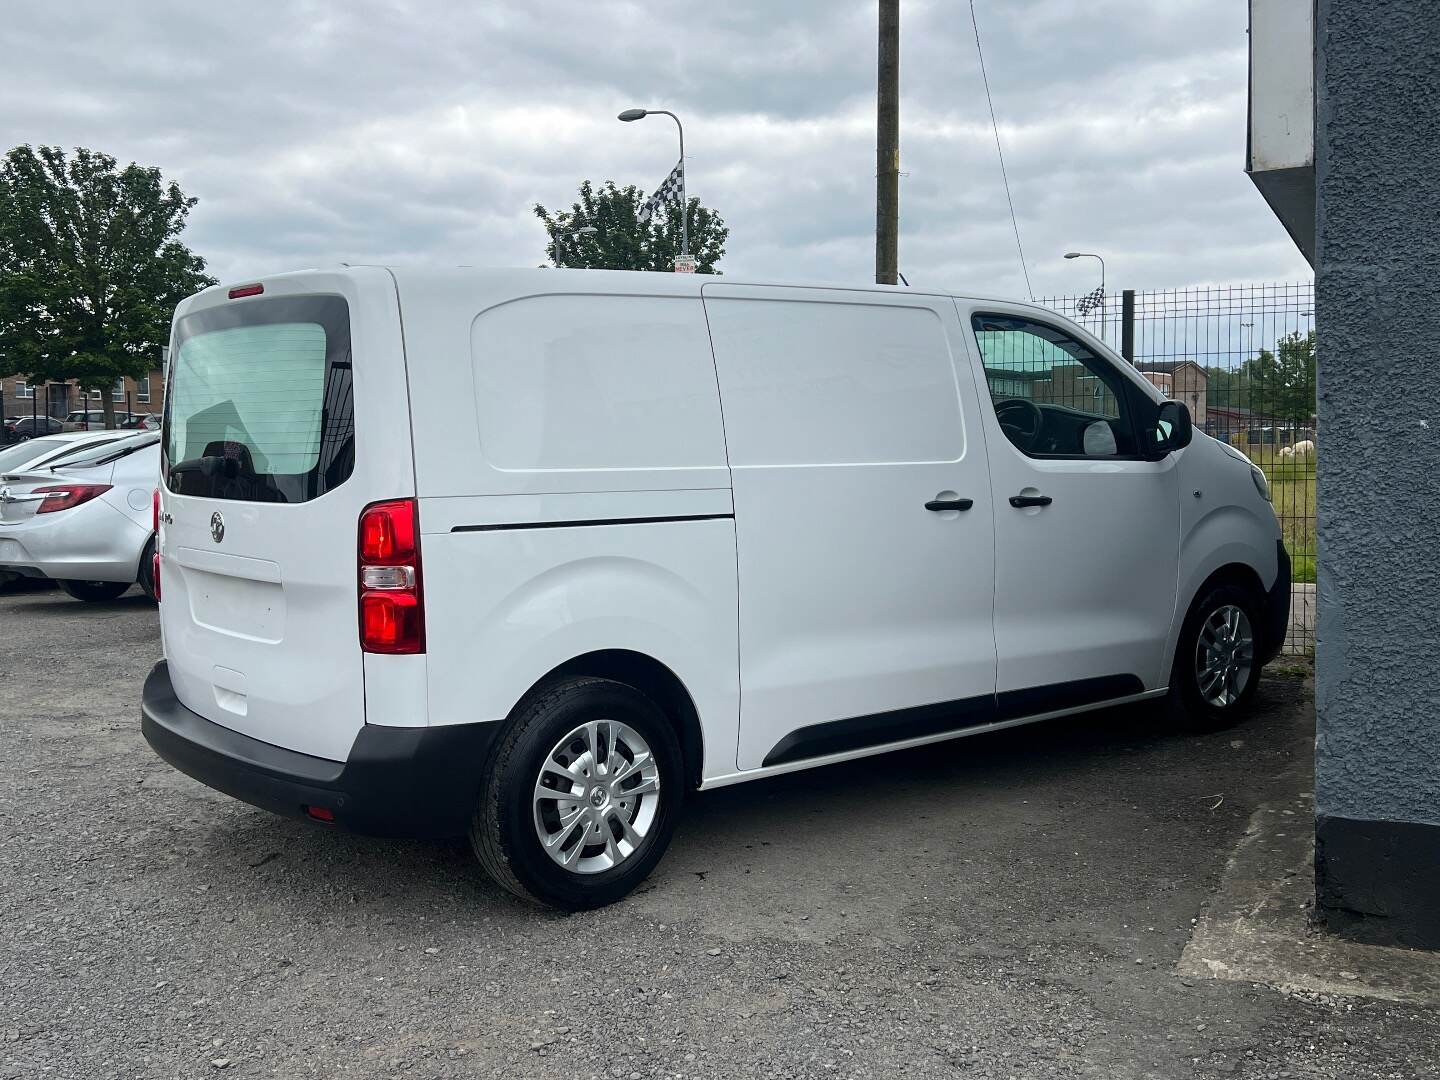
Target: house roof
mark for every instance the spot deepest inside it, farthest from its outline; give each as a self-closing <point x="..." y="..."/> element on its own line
<point x="1167" y="367"/>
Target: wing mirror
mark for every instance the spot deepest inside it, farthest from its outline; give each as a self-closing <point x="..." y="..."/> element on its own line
<point x="1172" y="429"/>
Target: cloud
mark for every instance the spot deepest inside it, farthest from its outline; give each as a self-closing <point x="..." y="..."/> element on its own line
<point x="413" y="132"/>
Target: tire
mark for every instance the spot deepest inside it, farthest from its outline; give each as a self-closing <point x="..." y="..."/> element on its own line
<point x="505" y="830"/>
<point x="146" y="577"/>
<point x="95" y="591"/>
<point x="1197" y="703"/>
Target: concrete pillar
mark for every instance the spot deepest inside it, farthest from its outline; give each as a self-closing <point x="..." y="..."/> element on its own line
<point x="1377" y="855"/>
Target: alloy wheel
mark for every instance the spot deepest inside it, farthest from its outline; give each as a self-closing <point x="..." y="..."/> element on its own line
<point x="1224" y="655"/>
<point x="596" y="797"/>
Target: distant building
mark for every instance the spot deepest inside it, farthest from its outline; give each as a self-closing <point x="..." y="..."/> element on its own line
<point x="1180" y="380"/>
<point x="21" y="398"/>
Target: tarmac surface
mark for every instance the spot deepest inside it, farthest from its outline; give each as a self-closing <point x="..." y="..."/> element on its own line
<point x="1043" y="902"/>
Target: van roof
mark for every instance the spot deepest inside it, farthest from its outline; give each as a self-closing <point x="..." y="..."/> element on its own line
<point x="619" y="282"/>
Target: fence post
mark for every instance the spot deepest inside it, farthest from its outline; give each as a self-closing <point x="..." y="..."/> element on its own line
<point x="1127" y="325"/>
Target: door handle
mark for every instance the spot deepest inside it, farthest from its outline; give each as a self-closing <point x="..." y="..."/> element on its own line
<point x="949" y="504"/>
<point x="1022" y="501"/>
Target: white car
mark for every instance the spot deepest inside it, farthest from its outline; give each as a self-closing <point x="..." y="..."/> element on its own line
<point x="532" y="554"/>
<point x="50" y="449"/>
<point x="84" y="520"/>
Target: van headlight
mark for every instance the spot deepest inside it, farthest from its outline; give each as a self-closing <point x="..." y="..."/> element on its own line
<point x="1262" y="485"/>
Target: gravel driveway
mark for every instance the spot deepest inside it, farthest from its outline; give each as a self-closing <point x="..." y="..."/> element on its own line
<point x="1004" y="906"/>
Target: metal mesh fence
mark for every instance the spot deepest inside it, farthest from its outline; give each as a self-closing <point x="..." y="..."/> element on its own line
<point x="1242" y="357"/>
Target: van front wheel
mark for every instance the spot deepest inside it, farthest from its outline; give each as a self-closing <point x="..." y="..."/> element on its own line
<point x="1216" y="665"/>
<point x="580" y="798"/>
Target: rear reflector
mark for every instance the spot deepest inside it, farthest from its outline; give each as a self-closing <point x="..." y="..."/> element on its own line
<point x="321" y="813"/>
<point x="246" y="290"/>
<point x="392" y="608"/>
<point x="65" y="496"/>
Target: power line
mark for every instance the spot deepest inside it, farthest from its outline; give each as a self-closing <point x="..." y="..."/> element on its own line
<point x="999" y="152"/>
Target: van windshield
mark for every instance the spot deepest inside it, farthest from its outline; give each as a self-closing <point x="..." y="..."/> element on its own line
<point x="260" y="406"/>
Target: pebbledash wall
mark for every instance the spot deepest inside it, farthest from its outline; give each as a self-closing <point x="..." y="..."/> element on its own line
<point x="1377" y="855"/>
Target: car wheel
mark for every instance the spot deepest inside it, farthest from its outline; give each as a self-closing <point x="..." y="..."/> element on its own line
<point x="95" y="590"/>
<point x="1216" y="670"/>
<point x="146" y="579"/>
<point x="580" y="796"/>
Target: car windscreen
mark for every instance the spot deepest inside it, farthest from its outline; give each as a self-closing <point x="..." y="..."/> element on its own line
<point x="21" y="454"/>
<point x="260" y="405"/>
<point x="98" y="453"/>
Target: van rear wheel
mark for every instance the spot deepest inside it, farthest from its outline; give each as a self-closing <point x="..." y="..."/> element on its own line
<point x="580" y="797"/>
<point x="1217" y="669"/>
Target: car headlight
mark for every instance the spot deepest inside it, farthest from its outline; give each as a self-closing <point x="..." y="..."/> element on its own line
<point x="1261" y="484"/>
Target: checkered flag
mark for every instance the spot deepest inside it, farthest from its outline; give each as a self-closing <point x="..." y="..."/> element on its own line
<point x="669" y="191"/>
<point x="1091" y="300"/>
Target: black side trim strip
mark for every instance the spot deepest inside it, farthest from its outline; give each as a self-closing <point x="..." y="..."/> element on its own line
<point x="837" y="736"/>
<point x="1034" y="700"/>
<point x="877" y="729"/>
<point x="590" y="522"/>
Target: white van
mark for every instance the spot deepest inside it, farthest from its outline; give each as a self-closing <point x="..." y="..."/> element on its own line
<point x="533" y="553"/>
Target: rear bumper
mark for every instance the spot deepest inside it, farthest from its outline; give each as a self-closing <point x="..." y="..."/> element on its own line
<point x="1277" y="607"/>
<point x="94" y="542"/>
<point x="395" y="782"/>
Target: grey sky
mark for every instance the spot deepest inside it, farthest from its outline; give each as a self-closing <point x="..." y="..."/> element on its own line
<point x="423" y="131"/>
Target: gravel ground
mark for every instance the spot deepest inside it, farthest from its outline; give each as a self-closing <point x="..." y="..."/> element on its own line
<point x="1004" y="906"/>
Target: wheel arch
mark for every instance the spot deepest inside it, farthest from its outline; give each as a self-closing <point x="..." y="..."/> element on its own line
<point x="1233" y="567"/>
<point x="1234" y="573"/>
<point x="653" y="679"/>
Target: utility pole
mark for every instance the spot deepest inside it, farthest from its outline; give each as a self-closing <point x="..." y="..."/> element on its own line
<point x="887" y="147"/>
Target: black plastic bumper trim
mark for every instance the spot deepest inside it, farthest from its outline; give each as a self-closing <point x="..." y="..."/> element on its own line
<point x="394" y="782"/>
<point x="1277" y="607"/>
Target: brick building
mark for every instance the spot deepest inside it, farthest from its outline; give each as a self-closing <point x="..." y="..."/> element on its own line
<point x="20" y="398"/>
<point x="1180" y="380"/>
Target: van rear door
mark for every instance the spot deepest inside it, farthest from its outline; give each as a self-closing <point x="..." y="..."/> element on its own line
<point x="286" y="415"/>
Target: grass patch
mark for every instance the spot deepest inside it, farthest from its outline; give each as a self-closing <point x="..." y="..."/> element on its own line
<point x="1302" y="569"/>
<point x="1292" y="489"/>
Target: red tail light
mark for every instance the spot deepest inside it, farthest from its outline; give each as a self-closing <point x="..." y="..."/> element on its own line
<point x="246" y="290"/>
<point x="392" y="606"/>
<point x="65" y="496"/>
<point x="155" y="513"/>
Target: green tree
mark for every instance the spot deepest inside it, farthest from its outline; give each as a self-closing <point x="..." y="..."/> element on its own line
<point x="1278" y="383"/>
<point x="90" y="266"/>
<point x="620" y="241"/>
<point x="1282" y="383"/>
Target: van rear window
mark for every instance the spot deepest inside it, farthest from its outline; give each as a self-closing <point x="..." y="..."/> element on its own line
<point x="260" y="406"/>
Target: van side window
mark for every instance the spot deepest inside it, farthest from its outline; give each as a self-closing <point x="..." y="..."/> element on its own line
<point x="1053" y="396"/>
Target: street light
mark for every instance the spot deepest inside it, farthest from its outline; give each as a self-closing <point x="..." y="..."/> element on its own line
<point x="1092" y="255"/>
<point x="587" y="230"/>
<point x="1089" y="255"/>
<point x="630" y="115"/>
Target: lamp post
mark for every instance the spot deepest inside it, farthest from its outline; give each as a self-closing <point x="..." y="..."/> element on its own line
<point x="630" y="115"/>
<point x="1092" y="255"/>
<point x="587" y="230"/>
